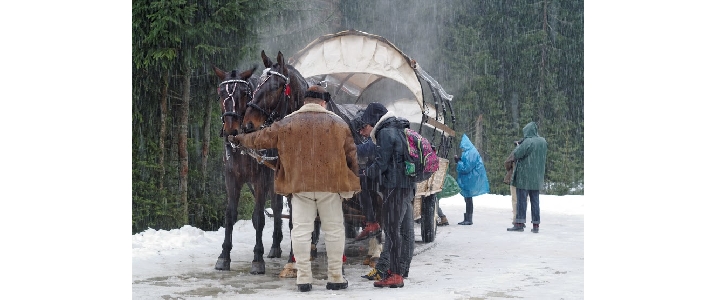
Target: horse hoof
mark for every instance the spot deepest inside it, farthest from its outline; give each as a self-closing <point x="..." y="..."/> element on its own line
<point x="222" y="264"/>
<point x="289" y="271"/>
<point x="275" y="253"/>
<point x="257" y="267"/>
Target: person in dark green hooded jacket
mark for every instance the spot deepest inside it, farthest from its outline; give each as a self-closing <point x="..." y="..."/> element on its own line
<point x="528" y="176"/>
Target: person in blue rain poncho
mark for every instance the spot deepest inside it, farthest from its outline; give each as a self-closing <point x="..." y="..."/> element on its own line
<point x="470" y="176"/>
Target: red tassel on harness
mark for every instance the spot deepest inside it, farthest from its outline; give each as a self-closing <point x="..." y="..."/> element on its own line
<point x="287" y="90"/>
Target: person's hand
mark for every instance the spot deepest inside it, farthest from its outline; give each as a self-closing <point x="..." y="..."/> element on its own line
<point x="457" y="158"/>
<point x="234" y="138"/>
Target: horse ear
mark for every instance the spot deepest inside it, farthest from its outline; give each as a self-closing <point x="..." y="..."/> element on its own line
<point x="219" y="73"/>
<point x="246" y="74"/>
<point x="281" y="62"/>
<point x="267" y="62"/>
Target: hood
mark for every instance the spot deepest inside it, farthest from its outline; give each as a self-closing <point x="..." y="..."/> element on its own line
<point x="466" y="144"/>
<point x="373" y="113"/>
<point x="530" y="130"/>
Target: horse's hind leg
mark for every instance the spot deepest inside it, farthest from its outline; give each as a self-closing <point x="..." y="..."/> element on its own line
<point x="315" y="239"/>
<point x="277" y="236"/>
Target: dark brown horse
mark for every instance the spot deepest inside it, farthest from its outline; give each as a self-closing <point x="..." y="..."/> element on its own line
<point x="235" y="92"/>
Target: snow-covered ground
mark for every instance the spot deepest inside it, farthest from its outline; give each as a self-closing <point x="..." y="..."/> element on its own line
<point x="481" y="261"/>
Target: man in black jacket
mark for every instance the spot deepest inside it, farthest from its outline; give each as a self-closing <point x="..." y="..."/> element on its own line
<point x="387" y="132"/>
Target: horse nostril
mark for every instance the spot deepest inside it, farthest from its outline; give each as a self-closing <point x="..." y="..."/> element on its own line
<point x="235" y="132"/>
<point x="248" y="127"/>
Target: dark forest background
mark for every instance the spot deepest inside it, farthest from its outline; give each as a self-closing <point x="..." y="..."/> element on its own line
<point x="505" y="62"/>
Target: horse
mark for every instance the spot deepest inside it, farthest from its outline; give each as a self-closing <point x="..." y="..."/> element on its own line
<point x="235" y="91"/>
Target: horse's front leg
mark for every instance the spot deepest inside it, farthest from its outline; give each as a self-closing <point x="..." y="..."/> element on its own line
<point x="258" y="266"/>
<point x="230" y="217"/>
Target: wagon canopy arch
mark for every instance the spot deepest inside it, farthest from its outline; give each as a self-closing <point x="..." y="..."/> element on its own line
<point x="354" y="61"/>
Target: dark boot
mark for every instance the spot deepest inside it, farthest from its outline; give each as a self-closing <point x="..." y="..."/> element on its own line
<point x="337" y="286"/>
<point x="467" y="219"/>
<point x="304" y="287"/>
<point x="535" y="229"/>
<point x="517" y="227"/>
<point x="464" y="221"/>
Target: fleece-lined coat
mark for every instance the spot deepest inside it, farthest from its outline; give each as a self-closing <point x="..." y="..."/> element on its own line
<point x="316" y="152"/>
<point x="388" y="168"/>
<point x="530" y="158"/>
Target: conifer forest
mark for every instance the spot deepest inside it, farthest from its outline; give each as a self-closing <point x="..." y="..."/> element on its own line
<point x="506" y="63"/>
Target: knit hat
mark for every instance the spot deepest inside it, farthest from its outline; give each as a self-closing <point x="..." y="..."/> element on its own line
<point x="317" y="92"/>
<point x="374" y="111"/>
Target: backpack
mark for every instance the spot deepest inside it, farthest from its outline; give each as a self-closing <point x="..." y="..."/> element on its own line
<point x="422" y="160"/>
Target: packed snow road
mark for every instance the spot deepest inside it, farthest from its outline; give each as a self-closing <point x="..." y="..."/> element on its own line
<point x="479" y="261"/>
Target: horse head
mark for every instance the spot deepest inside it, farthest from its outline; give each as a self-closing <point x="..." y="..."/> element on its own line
<point x="235" y="92"/>
<point x="280" y="92"/>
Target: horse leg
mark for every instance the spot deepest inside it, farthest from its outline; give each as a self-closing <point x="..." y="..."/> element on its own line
<point x="289" y="271"/>
<point x="258" y="222"/>
<point x="230" y="217"/>
<point x="277" y="236"/>
<point x="315" y="239"/>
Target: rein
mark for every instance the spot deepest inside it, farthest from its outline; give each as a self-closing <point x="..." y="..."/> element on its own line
<point x="231" y="147"/>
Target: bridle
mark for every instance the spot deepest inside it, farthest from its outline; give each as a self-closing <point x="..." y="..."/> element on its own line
<point x="230" y="96"/>
<point x="283" y="107"/>
<point x="230" y="147"/>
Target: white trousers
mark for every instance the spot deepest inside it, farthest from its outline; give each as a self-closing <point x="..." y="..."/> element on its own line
<point x="305" y="206"/>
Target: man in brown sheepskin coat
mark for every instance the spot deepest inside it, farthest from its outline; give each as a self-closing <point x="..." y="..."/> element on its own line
<point x="318" y="167"/>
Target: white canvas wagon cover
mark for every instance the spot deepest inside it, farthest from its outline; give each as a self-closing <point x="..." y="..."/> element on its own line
<point x="354" y="60"/>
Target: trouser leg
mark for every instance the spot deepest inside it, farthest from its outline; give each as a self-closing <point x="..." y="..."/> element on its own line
<point x="513" y="203"/>
<point x="392" y="215"/>
<point x="521" y="195"/>
<point x="304" y="211"/>
<point x="535" y="210"/>
<point x="469" y="205"/>
<point x="329" y="206"/>
<point x="407" y="236"/>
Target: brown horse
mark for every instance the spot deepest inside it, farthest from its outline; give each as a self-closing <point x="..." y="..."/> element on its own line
<point x="235" y="92"/>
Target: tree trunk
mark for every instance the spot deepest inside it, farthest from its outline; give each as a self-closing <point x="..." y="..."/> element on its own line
<point x="182" y="145"/>
<point x="542" y="71"/>
<point x="479" y="134"/>
<point x="163" y="132"/>
<point x="206" y="139"/>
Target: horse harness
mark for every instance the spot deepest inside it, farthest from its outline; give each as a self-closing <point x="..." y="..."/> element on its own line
<point x="275" y="114"/>
<point x="231" y="147"/>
